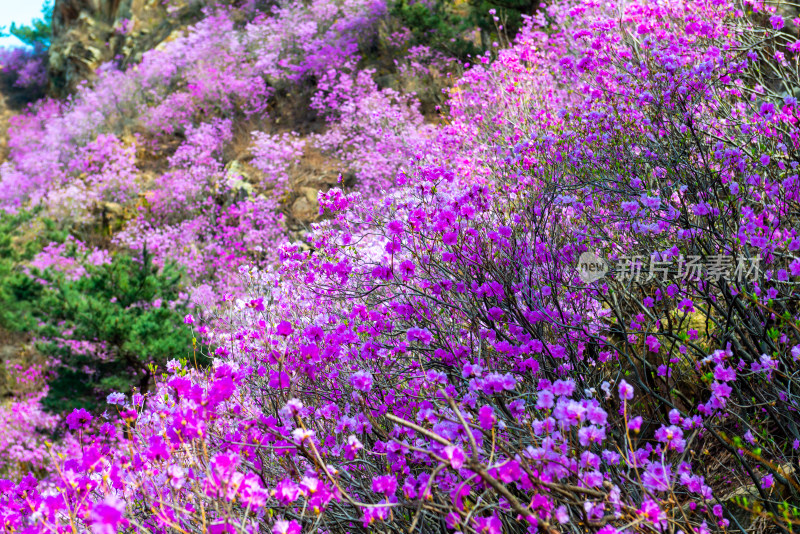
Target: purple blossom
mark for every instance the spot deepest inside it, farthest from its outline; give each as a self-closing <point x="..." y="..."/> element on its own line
<point x="625" y="391"/>
<point x="495" y="313"/>
<point x="362" y="381"/>
<point x="724" y="374"/>
<point x="115" y="398"/>
<point x="652" y="203"/>
<point x="657" y="477"/>
<point x="635" y="424"/>
<point x="488" y="525"/>
<point x="672" y="436"/>
<point x="509" y="472"/>
<point x="591" y="434"/>
<point x="421" y="335"/>
<point x="592" y="479"/>
<point x="630" y="207"/>
<point x="287" y="491"/>
<point x="406" y="269"/>
<point x="158" y="449"/>
<point x="395" y="227"/>
<point x="516" y="407"/>
<point x="652" y="512"/>
<point x="284" y="328"/>
<point x="497" y="383"/>
<point x="108" y="516"/>
<point x="455" y="456"/>
<point x="721" y="390"/>
<point x="283" y="526"/>
<point x="392" y="247"/>
<point x="293" y="406"/>
<point x="563" y="388"/>
<point x="674" y="417"/>
<point x="672" y="290"/>
<point x="545" y="400"/>
<point x="352" y="447"/>
<point x="386" y="484"/>
<point x="79" y="419"/>
<point x="279" y="379"/>
<point x="794" y="267"/>
<point x="486" y="417"/>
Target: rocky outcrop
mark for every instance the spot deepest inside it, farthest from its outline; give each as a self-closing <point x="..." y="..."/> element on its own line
<point x="15" y="350"/>
<point x="88" y="33"/>
<point x="314" y="173"/>
<point x="5" y="114"/>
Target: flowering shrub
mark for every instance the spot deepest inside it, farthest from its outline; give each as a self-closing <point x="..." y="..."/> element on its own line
<point x="24" y="423"/>
<point x="186" y="104"/>
<point x="376" y="132"/>
<point x="23" y="239"/>
<point x="21" y="429"/>
<point x="434" y="359"/>
<point x="274" y="156"/>
<point x="23" y="68"/>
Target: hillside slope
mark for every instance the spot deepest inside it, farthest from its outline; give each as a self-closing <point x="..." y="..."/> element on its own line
<point x="299" y="269"/>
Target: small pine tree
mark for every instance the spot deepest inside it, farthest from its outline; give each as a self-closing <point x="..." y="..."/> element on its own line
<point x="442" y="24"/>
<point x="105" y="329"/>
<point x="20" y="240"/>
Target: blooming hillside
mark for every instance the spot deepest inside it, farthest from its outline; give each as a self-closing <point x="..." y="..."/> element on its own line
<point x="562" y="296"/>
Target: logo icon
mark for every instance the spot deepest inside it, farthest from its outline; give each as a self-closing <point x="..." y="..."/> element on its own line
<point x="591" y="267"/>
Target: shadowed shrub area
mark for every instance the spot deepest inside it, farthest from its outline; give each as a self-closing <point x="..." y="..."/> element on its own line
<point x="515" y="269"/>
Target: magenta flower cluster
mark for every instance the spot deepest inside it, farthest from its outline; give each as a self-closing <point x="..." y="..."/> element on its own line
<point x="431" y="360"/>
